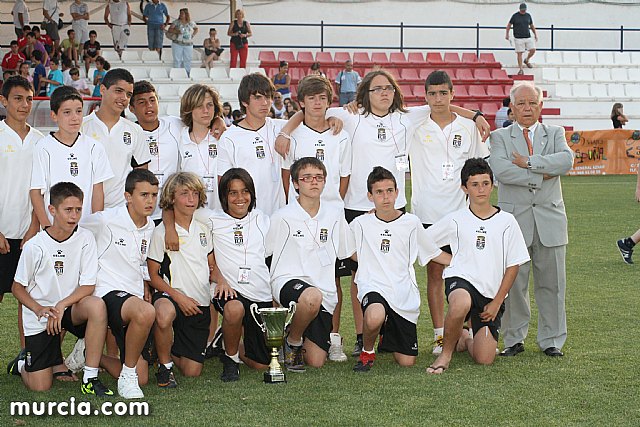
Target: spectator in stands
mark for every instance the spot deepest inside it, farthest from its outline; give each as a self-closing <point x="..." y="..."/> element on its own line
<point x="80" y="23"/>
<point x="20" y="14"/>
<point x="102" y="66"/>
<point x="522" y="23"/>
<point x="184" y="30"/>
<point x="212" y="49"/>
<point x="226" y="114"/>
<point x="237" y="116"/>
<point x="510" y="119"/>
<point x="347" y="82"/>
<point x="91" y="50"/>
<point x="79" y="84"/>
<point x="501" y="114"/>
<point x="617" y="115"/>
<point x="156" y="16"/>
<point x="282" y="80"/>
<point x="51" y="14"/>
<point x="39" y="72"/>
<point x="117" y="16"/>
<point x="239" y="31"/>
<point x="22" y="41"/>
<point x="55" y="78"/>
<point x="67" y="65"/>
<point x="34" y="45"/>
<point x="315" y="70"/>
<point x="46" y="41"/>
<point x="23" y="70"/>
<point x="70" y="47"/>
<point x="13" y="58"/>
<point x="292" y="108"/>
<point x="279" y="108"/>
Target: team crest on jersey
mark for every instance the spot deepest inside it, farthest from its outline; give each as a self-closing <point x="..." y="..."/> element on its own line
<point x="320" y="154"/>
<point x="213" y="151"/>
<point x="298" y="233"/>
<point x="59" y="267"/>
<point x="203" y="239"/>
<point x="143" y="246"/>
<point x="126" y="138"/>
<point x="9" y="149"/>
<point x="238" y="238"/>
<point x="120" y="242"/>
<point x="382" y="133"/>
<point x="385" y="246"/>
<point x="457" y="141"/>
<point x="324" y="235"/>
<point x="260" y="152"/>
<point x="481" y="238"/>
<point x="73" y="168"/>
<point x="153" y="148"/>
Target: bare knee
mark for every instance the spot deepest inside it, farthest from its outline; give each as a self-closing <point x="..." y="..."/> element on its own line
<point x="145" y="314"/>
<point x="233" y="312"/>
<point x="165" y="313"/>
<point x="96" y="307"/>
<point x="191" y="370"/>
<point x="484" y="358"/>
<point x="315" y="360"/>
<point x="374" y="314"/>
<point x="404" y="360"/>
<point x="311" y="298"/>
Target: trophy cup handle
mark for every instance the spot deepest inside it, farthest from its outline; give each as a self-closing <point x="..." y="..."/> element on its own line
<point x="254" y="310"/>
<point x="292" y="311"/>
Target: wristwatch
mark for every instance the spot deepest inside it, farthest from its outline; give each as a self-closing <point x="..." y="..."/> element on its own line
<point x="478" y="114"/>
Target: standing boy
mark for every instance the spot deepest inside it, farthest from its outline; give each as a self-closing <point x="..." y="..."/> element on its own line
<point x="117" y="16"/>
<point x="305" y="239"/>
<point x="388" y="243"/>
<point x="67" y="155"/>
<point x="123" y="140"/>
<point x="488" y="249"/>
<point x="54" y="283"/>
<point x="123" y="235"/>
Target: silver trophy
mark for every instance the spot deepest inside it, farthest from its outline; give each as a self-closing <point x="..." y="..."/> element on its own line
<point x="273" y="321"/>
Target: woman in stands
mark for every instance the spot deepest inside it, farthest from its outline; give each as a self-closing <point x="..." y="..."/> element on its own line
<point x="212" y="49"/>
<point x="239" y="31"/>
<point x="617" y="116"/>
<point x="282" y="80"/>
<point x="315" y="70"/>
<point x="183" y="30"/>
<point x="102" y="66"/>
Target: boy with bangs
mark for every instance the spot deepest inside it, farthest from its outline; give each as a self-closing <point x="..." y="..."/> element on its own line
<point x="182" y="282"/>
<point x="239" y="234"/>
<point x="67" y="155"/>
<point x="488" y="248"/>
<point x="122" y="139"/>
<point x="314" y="138"/>
<point x="54" y="283"/>
<point x="305" y="238"/>
<point x="388" y="242"/>
<point x="122" y="236"/>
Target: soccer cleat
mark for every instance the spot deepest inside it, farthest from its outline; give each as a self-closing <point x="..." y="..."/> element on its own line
<point x="12" y="367"/>
<point x="365" y="362"/>
<point x="215" y="349"/>
<point x="626" y="251"/>
<point x="165" y="377"/>
<point x="437" y="345"/>
<point x="357" y="348"/>
<point x="128" y="387"/>
<point x="336" y="351"/>
<point x="293" y="357"/>
<point x="230" y="369"/>
<point x="76" y="359"/>
<point x="94" y="386"/>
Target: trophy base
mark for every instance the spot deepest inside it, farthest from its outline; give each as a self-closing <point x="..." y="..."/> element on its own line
<point x="274" y="378"/>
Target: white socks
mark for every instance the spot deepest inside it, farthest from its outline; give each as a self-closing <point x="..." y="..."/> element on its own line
<point x="89" y="373"/>
<point x="127" y="370"/>
<point x="235" y="357"/>
<point x="438" y="332"/>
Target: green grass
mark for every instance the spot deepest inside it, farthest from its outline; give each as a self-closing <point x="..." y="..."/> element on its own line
<point x="596" y="383"/>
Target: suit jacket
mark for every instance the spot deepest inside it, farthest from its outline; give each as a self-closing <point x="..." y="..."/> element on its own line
<point x="523" y="192"/>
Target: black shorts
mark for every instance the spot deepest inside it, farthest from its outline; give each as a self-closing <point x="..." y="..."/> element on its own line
<point x="319" y="329"/>
<point x="343" y="268"/>
<point x="114" y="301"/>
<point x="397" y="334"/>
<point x="478" y="301"/>
<point x="190" y="333"/>
<point x="8" y="265"/>
<point x="445" y="248"/>
<point x="255" y="347"/>
<point x="43" y="350"/>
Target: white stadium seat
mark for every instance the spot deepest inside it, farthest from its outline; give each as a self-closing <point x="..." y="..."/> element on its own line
<point x="550" y="74"/>
<point x="157" y="74"/>
<point x="599" y="90"/>
<point x="634" y="74"/>
<point x="236" y="74"/>
<point x="581" y="90"/>
<point x="139" y="73"/>
<point x="571" y="58"/>
<point x="588" y="58"/>
<point x="179" y="75"/>
<point x="584" y="74"/>
<point x="622" y="58"/>
<point x="131" y="57"/>
<point x="200" y="75"/>
<point x="258" y="70"/>
<point x="151" y="57"/>
<point x="605" y="58"/>
<point x="563" y="90"/>
<point x="553" y="58"/>
<point x="167" y="92"/>
<point x="173" y="109"/>
<point x="616" y="91"/>
<point x="567" y="74"/>
<point x="601" y="74"/>
<point x="619" y="74"/>
<point x="219" y="74"/>
<point x="632" y="90"/>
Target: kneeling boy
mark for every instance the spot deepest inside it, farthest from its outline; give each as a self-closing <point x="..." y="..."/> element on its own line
<point x="488" y="249"/>
<point x="388" y="243"/>
<point x="55" y="279"/>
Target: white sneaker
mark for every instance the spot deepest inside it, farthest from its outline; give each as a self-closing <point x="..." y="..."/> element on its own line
<point x="76" y="361"/>
<point x="437" y="345"/>
<point x="128" y="387"/>
<point x="336" y="351"/>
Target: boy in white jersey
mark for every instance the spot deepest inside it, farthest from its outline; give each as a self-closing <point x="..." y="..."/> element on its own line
<point x="239" y="233"/>
<point x="314" y="138"/>
<point x="488" y="249"/>
<point x="17" y="142"/>
<point x="162" y="135"/>
<point x="182" y="281"/>
<point x="122" y="139"/>
<point x="123" y="235"/>
<point x="305" y="238"/>
<point x="388" y="242"/>
<point x="67" y="155"/>
<point x="440" y="145"/>
<point x="54" y="282"/>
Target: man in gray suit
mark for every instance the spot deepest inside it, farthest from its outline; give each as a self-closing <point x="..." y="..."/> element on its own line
<point x="528" y="158"/>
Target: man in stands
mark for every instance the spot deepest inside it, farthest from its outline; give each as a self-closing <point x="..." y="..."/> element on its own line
<point x="13" y="58"/>
<point x="522" y="23"/>
<point x="347" y="82"/>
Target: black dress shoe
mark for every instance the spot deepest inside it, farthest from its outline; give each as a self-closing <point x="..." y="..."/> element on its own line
<point x="513" y="350"/>
<point x="553" y="352"/>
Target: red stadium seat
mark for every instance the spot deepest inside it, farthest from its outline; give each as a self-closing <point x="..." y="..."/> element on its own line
<point x="296" y="75"/>
<point x="451" y="58"/>
<point x="409" y="75"/>
<point x="380" y="58"/>
<point x="498" y="75"/>
<point x="415" y="58"/>
<point x="495" y="91"/>
<point x="419" y="92"/>
<point x="267" y="59"/>
<point x="305" y="59"/>
<point x="397" y="58"/>
<point x="339" y="58"/>
<point x="324" y="58"/>
<point x="424" y="73"/>
<point x="471" y="106"/>
<point x="489" y="108"/>
<point x="477" y="92"/>
<point x="489" y="59"/>
<point x="482" y="75"/>
<point x="460" y="93"/>
<point x="332" y="73"/>
<point x="469" y="58"/>
<point x="464" y="75"/>
<point x="287" y="55"/>
<point x="394" y="72"/>
<point x="407" y="90"/>
<point x="361" y="59"/>
<point x="434" y="58"/>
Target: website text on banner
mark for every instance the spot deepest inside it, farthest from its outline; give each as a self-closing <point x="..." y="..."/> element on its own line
<point x="605" y="152"/>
